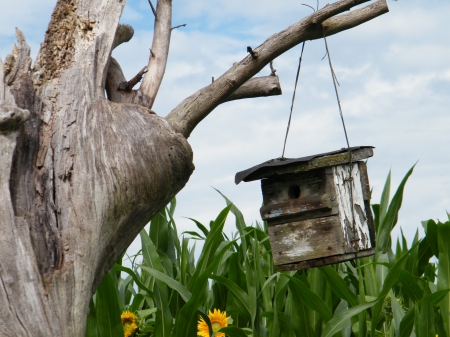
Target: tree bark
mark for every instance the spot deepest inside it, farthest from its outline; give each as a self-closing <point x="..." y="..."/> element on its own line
<point x="81" y="175"/>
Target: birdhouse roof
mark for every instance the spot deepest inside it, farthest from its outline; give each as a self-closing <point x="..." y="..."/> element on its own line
<point x="279" y="166"/>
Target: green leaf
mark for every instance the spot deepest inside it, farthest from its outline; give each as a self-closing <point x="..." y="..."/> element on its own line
<point x="385" y="198"/>
<point x="212" y="241"/>
<point x="362" y="317"/>
<point x="437" y="296"/>
<point x="207" y="321"/>
<point x="186" y="319"/>
<point x="232" y="331"/>
<point x="137" y="303"/>
<point x="407" y="323"/>
<point x="240" y="296"/>
<point x="147" y="312"/>
<point x="424" y="317"/>
<point x="91" y="326"/>
<point x="444" y="270"/>
<point x="135" y="278"/>
<point x="370" y="277"/>
<point x="390" y="280"/>
<point x="310" y="299"/>
<point x="107" y="309"/>
<point x="295" y="307"/>
<point x="431" y="230"/>
<point x="335" y="324"/>
<point x="339" y="286"/>
<point x="194" y="234"/>
<point x="159" y="231"/>
<point x="201" y="227"/>
<point x="267" y="282"/>
<point x="397" y="312"/>
<point x="172" y="206"/>
<point x="410" y="286"/>
<point x="425" y="253"/>
<point x="376" y="216"/>
<point x="163" y="320"/>
<point x="390" y="220"/>
<point x="169" y="281"/>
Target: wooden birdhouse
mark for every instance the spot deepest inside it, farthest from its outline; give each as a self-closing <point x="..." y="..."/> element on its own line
<point x="317" y="207"/>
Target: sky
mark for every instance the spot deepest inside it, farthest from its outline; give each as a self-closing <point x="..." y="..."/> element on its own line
<point x="394" y="75"/>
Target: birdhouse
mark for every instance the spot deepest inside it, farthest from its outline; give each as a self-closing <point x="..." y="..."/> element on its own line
<point x="317" y="207"/>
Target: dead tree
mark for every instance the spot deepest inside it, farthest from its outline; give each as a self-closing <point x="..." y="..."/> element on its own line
<point x="81" y="174"/>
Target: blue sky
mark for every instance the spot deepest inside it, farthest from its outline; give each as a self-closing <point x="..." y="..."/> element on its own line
<point x="395" y="90"/>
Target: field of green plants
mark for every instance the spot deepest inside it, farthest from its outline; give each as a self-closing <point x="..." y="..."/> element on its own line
<point x="397" y="292"/>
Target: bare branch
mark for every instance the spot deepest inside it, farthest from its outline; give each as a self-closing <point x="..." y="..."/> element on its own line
<point x="257" y="87"/>
<point x="124" y="33"/>
<point x="153" y="8"/>
<point x="160" y="51"/>
<point x="193" y="109"/>
<point x="183" y="25"/>
<point x="128" y="85"/>
<point x="333" y="9"/>
<point x="19" y="61"/>
<point x="11" y="116"/>
<point x="354" y="18"/>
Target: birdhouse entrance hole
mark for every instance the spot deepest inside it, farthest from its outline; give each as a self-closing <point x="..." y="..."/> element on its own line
<point x="317" y="208"/>
<point x="294" y="192"/>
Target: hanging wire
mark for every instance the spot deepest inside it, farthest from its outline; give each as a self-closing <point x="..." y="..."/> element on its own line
<point x="295" y="88"/>
<point x="293" y="99"/>
<point x="333" y="75"/>
<point x="350" y="165"/>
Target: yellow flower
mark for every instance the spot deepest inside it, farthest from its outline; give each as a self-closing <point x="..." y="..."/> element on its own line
<point x="129" y="322"/>
<point x="218" y="320"/>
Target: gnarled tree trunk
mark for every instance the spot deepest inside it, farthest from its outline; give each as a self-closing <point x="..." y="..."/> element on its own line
<point x="81" y="174"/>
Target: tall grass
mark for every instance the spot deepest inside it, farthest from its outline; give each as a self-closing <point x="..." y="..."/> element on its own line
<point x="393" y="293"/>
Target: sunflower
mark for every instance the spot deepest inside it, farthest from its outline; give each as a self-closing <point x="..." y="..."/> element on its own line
<point x="130" y="323"/>
<point x="218" y="320"/>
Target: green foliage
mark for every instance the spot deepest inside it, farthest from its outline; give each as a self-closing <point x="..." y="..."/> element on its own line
<point x="390" y="294"/>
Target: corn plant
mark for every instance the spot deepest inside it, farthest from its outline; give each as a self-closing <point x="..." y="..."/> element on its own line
<point x="393" y="293"/>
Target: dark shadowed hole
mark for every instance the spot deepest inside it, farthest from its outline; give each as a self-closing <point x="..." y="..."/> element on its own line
<point x="294" y="192"/>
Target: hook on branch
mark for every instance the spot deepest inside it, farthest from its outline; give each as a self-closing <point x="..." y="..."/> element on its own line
<point x="252" y="52"/>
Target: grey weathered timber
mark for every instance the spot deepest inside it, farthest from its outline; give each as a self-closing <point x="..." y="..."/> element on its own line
<point x="317" y="207"/>
<point x="257" y="87"/>
<point x="306" y="240"/>
<point x="323" y="261"/>
<point x="81" y="174"/>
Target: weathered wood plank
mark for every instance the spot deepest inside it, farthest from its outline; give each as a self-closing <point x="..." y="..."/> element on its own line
<point x="326" y="260"/>
<point x="352" y="210"/>
<point x="299" y="196"/>
<point x="364" y="180"/>
<point x="257" y="87"/>
<point x="306" y="240"/>
<point x="281" y="189"/>
<point x="297" y="207"/>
